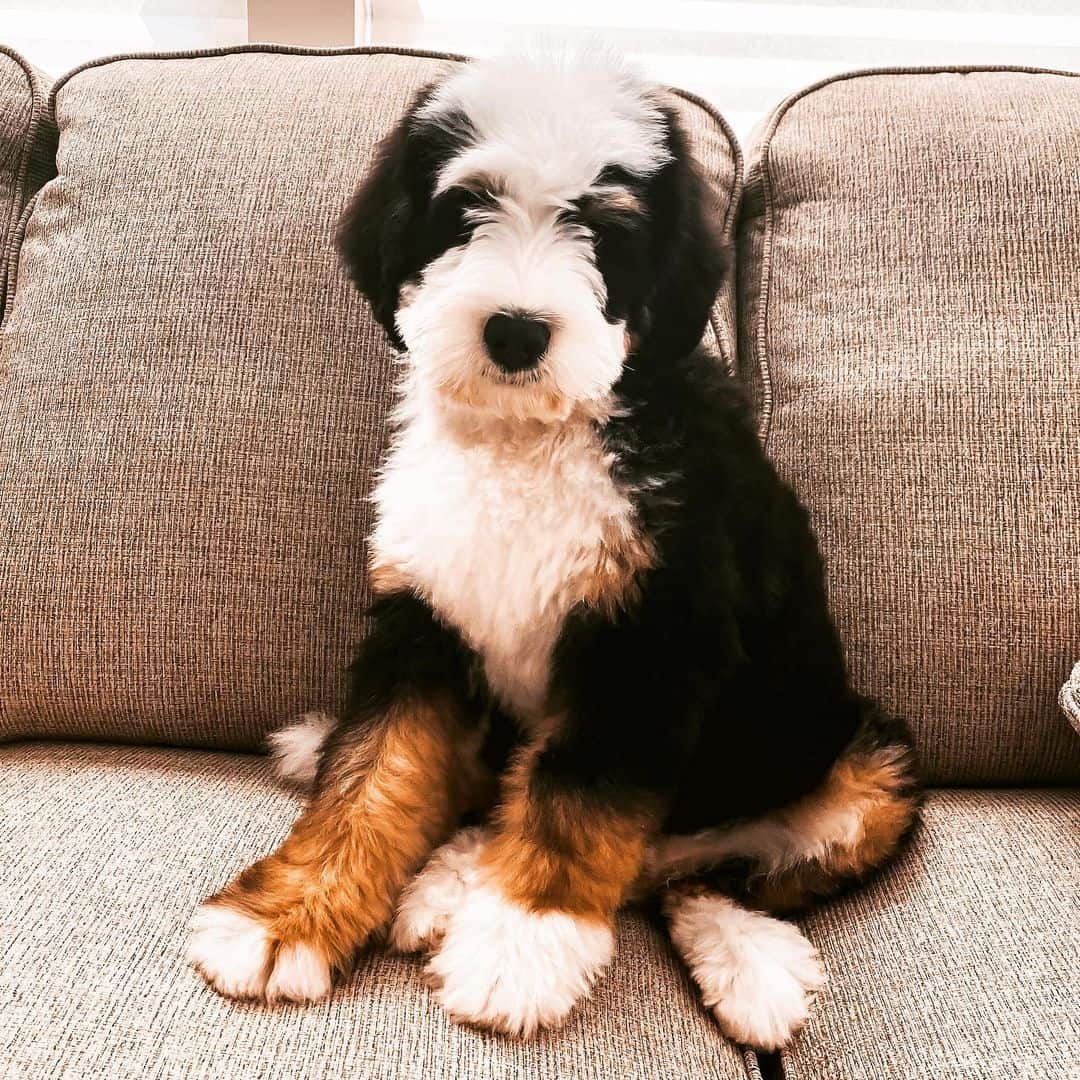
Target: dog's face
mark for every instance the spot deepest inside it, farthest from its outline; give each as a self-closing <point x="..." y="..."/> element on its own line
<point x="528" y="227"/>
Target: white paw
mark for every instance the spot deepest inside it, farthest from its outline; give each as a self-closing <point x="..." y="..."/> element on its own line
<point x="232" y="953"/>
<point x="511" y="970"/>
<point x="431" y="897"/>
<point x="756" y="973"/>
<point x="229" y="950"/>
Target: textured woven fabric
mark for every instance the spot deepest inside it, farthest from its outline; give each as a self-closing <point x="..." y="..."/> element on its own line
<point x="962" y="962"/>
<point x="910" y="276"/>
<point x="105" y="853"/>
<point x="22" y="170"/>
<point x="194" y="396"/>
<point x="1070" y="698"/>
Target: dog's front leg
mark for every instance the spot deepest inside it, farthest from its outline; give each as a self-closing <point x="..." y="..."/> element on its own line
<point x="530" y="925"/>
<point x="534" y="926"/>
<point x="392" y="778"/>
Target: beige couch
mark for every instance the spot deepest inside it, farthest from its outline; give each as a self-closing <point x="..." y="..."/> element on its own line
<point x="191" y="401"/>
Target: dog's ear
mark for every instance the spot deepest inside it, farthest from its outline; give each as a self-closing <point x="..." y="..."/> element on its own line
<point x="689" y="258"/>
<point x="377" y="232"/>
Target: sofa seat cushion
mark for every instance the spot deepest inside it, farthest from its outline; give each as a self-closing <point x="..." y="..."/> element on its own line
<point x="22" y="168"/>
<point x="193" y="397"/>
<point x="962" y="962"/>
<point x="911" y="330"/>
<point x="104" y="853"/>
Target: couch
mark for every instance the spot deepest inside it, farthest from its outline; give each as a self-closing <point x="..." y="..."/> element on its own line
<point x="191" y="407"/>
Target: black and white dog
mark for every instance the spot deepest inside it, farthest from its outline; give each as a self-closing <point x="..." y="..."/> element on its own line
<point x="599" y="611"/>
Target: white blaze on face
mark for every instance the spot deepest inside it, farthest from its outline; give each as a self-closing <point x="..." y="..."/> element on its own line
<point x="544" y="128"/>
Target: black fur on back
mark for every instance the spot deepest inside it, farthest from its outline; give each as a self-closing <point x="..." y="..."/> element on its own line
<point x="726" y="685"/>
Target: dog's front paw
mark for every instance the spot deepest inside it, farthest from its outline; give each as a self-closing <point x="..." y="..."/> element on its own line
<point x="425" y="907"/>
<point x="236" y="956"/>
<point x="502" y="967"/>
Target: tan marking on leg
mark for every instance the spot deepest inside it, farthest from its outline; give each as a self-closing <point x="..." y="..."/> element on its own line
<point x="841" y="832"/>
<point x="567" y="854"/>
<point x="379" y="813"/>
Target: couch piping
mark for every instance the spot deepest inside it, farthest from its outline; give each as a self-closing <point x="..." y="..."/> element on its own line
<point x="768" y="398"/>
<point x="14" y="247"/>
<point x="751" y="1063"/>
<point x="253" y="47"/>
<point x="22" y="179"/>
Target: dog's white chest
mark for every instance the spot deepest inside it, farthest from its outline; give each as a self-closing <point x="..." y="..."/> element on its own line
<point x="501" y="536"/>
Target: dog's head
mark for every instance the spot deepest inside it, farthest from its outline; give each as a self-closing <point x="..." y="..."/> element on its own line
<point x="528" y="227"/>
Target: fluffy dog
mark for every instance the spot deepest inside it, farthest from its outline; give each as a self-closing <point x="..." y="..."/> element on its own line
<point x="598" y="608"/>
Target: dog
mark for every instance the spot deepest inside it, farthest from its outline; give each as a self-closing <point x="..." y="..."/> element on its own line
<point x="600" y="624"/>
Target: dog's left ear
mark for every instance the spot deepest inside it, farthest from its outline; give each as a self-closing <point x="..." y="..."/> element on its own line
<point x="376" y="233"/>
<point x="689" y="258"/>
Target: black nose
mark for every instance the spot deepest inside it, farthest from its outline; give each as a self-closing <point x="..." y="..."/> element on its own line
<point x="516" y="342"/>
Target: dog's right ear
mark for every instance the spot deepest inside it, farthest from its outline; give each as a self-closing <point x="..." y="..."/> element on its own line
<point x="376" y="235"/>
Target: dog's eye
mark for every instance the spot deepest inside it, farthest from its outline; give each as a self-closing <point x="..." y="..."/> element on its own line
<point x="451" y="217"/>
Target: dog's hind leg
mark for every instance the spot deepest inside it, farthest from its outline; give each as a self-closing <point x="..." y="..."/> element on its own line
<point x="756" y="972"/>
<point x="393" y="777"/>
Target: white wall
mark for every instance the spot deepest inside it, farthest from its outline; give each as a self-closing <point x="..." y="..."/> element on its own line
<point x="200" y="9"/>
<point x="745" y="56"/>
<point x="57" y="35"/>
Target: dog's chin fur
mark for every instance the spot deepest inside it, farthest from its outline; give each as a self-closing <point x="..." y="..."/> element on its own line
<point x="489" y="406"/>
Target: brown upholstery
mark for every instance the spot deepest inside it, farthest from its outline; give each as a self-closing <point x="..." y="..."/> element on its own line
<point x="195" y="396"/>
<point x="962" y="962"/>
<point x="910" y="296"/>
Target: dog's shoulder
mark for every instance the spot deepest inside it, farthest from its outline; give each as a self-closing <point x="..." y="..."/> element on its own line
<point x="685" y="440"/>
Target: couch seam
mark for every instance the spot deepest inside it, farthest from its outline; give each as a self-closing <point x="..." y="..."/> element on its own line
<point x="14" y="248"/>
<point x="15" y="212"/>
<point x="251" y="47"/>
<point x="751" y="1065"/>
<point x="763" y="153"/>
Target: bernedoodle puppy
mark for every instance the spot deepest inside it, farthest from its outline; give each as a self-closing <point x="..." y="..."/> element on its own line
<point x="599" y="613"/>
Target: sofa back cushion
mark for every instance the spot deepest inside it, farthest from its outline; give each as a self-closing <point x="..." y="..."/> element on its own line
<point x="910" y="312"/>
<point x="194" y="396"/>
<point x="22" y="101"/>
